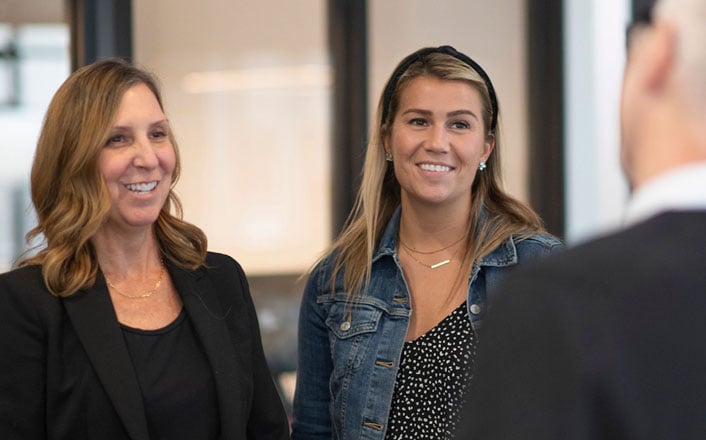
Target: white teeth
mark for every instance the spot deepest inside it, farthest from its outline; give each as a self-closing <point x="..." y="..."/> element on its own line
<point x="141" y="187"/>
<point x="430" y="167"/>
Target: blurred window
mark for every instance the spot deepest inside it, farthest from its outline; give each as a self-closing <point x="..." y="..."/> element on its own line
<point x="247" y="90"/>
<point x="34" y="61"/>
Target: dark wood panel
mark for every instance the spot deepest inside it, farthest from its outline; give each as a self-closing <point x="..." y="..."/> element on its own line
<point x="99" y="29"/>
<point x="546" y="112"/>
<point x="347" y="32"/>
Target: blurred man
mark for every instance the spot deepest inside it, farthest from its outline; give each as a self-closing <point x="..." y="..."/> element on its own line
<point x="608" y="340"/>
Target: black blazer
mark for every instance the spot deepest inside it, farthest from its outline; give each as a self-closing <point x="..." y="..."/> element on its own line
<point x="65" y="372"/>
<point x="603" y="341"/>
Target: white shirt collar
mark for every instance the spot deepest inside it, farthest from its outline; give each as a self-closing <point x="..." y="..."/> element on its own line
<point x="681" y="189"/>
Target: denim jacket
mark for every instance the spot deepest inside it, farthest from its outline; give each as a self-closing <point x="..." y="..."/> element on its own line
<point x="349" y="354"/>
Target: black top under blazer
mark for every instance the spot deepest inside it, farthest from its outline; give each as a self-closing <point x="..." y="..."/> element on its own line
<point x="65" y="371"/>
<point x="604" y="341"/>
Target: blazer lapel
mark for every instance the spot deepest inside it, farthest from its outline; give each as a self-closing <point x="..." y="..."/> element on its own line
<point x="93" y="316"/>
<point x="204" y="308"/>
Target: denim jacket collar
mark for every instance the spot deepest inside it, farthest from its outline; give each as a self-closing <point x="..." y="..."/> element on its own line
<point x="388" y="241"/>
<point x="504" y="255"/>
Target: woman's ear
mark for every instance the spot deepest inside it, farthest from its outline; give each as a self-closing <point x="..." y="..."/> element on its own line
<point x="386" y="144"/>
<point x="488" y="146"/>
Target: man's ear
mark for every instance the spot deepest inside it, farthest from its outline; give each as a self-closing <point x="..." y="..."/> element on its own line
<point x="659" y="48"/>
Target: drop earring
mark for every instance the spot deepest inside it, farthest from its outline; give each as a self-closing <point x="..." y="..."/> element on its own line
<point x="482" y="166"/>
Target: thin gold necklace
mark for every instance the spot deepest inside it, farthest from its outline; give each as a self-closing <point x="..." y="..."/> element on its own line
<point x="412" y="249"/>
<point x="147" y="294"/>
<point x="430" y="266"/>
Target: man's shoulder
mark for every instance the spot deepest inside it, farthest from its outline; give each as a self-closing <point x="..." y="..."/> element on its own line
<point x="657" y="236"/>
<point x="664" y="243"/>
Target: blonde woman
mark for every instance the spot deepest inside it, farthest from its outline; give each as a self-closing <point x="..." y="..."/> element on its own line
<point x="123" y="326"/>
<point x="389" y="317"/>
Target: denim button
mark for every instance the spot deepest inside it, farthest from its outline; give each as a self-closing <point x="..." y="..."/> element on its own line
<point x="475" y="309"/>
<point x="345" y="326"/>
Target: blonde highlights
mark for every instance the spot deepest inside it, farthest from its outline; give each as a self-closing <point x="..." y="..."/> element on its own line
<point x="494" y="217"/>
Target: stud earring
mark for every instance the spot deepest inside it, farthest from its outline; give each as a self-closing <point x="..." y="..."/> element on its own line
<point x="482" y="166"/>
<point x="388" y="156"/>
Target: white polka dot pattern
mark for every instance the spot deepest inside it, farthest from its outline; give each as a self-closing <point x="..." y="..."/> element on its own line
<point x="431" y="383"/>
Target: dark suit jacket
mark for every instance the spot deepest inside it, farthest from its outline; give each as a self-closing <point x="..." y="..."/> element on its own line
<point x="65" y="372"/>
<point x="604" y="341"/>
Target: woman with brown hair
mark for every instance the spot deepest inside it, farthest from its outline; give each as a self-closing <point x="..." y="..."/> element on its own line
<point x="123" y="326"/>
<point x="389" y="316"/>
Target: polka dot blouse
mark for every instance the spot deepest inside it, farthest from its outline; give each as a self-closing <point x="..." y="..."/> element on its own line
<point x="434" y="373"/>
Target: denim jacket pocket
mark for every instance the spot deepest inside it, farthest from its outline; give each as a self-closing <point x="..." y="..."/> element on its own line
<point x="352" y="329"/>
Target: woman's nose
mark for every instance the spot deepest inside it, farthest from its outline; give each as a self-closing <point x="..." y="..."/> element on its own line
<point x="145" y="154"/>
<point x="438" y="139"/>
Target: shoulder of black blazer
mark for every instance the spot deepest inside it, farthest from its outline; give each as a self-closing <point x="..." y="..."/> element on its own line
<point x="218" y="302"/>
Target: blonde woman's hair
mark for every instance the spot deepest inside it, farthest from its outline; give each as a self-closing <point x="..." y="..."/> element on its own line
<point x="379" y="194"/>
<point x="68" y="191"/>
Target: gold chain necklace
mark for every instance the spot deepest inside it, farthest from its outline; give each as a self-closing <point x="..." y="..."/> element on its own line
<point x="430" y="266"/>
<point x="409" y="248"/>
<point x="147" y="294"/>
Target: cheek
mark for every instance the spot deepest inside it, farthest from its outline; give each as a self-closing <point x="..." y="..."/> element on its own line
<point x="400" y="141"/>
<point x="110" y="166"/>
<point x="103" y="162"/>
<point x="167" y="159"/>
<point x="473" y="152"/>
<point x="393" y="144"/>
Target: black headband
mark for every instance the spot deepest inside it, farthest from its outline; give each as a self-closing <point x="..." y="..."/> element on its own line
<point x="448" y="50"/>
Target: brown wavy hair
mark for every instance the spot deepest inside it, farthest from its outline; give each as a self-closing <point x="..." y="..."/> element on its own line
<point x="379" y="194"/>
<point x="68" y="191"/>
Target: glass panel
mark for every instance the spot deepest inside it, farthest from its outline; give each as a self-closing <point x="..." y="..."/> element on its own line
<point x="594" y="43"/>
<point x="247" y="88"/>
<point x="34" y="61"/>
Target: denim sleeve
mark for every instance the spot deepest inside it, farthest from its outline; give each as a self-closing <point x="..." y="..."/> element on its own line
<point x="312" y="399"/>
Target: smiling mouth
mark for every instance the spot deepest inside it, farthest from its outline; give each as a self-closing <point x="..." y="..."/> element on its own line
<point x="141" y="188"/>
<point x="436" y="168"/>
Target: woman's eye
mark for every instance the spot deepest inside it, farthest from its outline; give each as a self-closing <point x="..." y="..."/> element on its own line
<point x="418" y="121"/>
<point x="116" y="139"/>
<point x="158" y="134"/>
<point x="460" y="125"/>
